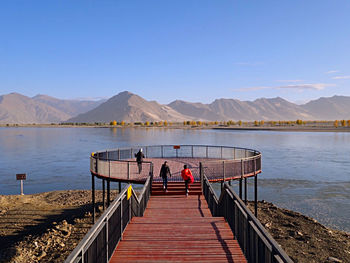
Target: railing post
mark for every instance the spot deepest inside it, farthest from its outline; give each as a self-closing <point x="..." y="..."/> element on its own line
<point x="201" y="174"/>
<point x="192" y="150"/>
<point x="120" y="187"/>
<point x="245" y="190"/>
<point x="107" y="255"/>
<point x="221" y="151"/>
<point x="161" y="148"/>
<point x="118" y="154"/>
<point x="206" y="151"/>
<point x="130" y="208"/>
<point x="103" y="194"/>
<point x="108" y="192"/>
<point x="121" y="218"/>
<point x="151" y="175"/>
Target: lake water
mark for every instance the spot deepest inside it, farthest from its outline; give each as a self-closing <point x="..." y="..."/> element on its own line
<point x="308" y="172"/>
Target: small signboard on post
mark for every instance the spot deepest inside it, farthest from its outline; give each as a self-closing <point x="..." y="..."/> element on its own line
<point x="21" y="177"/>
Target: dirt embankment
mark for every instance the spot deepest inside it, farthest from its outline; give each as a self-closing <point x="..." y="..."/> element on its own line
<point x="302" y="237"/>
<point x="46" y="227"/>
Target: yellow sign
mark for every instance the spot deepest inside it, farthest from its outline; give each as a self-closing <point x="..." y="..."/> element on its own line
<point x="129" y="192"/>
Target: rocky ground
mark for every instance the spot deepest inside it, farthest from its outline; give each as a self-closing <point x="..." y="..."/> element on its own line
<point x="46" y="227"/>
<point x="302" y="237"/>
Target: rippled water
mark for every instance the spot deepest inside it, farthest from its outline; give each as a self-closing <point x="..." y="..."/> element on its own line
<point x="307" y="172"/>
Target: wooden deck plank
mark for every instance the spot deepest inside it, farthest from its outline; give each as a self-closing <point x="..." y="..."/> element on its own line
<point x="176" y="228"/>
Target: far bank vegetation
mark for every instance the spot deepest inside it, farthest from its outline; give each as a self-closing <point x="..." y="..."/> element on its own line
<point x="209" y="124"/>
<point x="230" y="123"/>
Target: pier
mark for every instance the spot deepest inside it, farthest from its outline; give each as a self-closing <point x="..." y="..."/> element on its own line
<point x="152" y="225"/>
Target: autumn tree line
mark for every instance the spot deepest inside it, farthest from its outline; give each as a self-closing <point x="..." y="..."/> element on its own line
<point x="261" y="123"/>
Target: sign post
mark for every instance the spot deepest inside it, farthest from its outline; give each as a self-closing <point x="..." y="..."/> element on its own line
<point x="21" y="177"/>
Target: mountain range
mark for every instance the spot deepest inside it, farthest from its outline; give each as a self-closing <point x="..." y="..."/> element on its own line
<point x="20" y="109"/>
<point x="129" y="107"/>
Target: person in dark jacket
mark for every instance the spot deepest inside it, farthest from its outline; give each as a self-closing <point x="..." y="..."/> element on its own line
<point x="139" y="158"/>
<point x="164" y="172"/>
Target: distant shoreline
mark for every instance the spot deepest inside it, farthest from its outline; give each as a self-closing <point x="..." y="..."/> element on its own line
<point x="301" y="128"/>
<point x="287" y="129"/>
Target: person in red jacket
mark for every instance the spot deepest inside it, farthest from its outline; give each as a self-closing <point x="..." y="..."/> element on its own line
<point x="186" y="174"/>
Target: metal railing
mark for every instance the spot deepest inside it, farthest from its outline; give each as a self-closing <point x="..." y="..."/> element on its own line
<point x="121" y="170"/>
<point x="100" y="242"/>
<point x="222" y="163"/>
<point x="257" y="244"/>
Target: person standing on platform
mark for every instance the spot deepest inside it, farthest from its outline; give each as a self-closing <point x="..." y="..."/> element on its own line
<point x="139" y="159"/>
<point x="164" y="172"/>
<point x="186" y="174"/>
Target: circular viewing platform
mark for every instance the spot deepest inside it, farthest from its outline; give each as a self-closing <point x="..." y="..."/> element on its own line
<point x="218" y="163"/>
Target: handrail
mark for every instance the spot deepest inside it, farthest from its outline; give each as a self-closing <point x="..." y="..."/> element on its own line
<point x="103" y="232"/>
<point x="161" y="147"/>
<point x="171" y="145"/>
<point x="260" y="227"/>
<point x="257" y="244"/>
<point x="123" y="161"/>
<point x="78" y="253"/>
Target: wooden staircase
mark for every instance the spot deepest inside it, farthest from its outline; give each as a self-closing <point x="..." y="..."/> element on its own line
<point x="176" y="188"/>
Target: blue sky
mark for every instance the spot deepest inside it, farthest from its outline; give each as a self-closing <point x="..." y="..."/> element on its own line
<point x="165" y="50"/>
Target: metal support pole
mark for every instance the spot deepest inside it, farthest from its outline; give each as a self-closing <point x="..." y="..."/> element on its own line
<point x="240" y="187"/>
<point x="103" y="194"/>
<point x="223" y="170"/>
<point x="128" y="170"/>
<point x="22" y="187"/>
<point x="162" y="150"/>
<point x="120" y="187"/>
<point x="241" y="179"/>
<point x="118" y="154"/>
<point x="121" y="218"/>
<point x="255" y="190"/>
<point x="108" y="192"/>
<point x="93" y="197"/>
<point x="201" y="174"/>
<point x="229" y="183"/>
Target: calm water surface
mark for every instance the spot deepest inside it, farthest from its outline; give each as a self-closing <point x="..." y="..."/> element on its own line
<point x="306" y="172"/>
